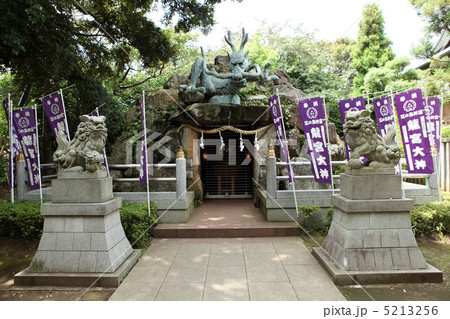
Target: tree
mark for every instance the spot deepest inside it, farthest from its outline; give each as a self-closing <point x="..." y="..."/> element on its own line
<point x="373" y="48"/>
<point x="48" y="44"/>
<point x="394" y="75"/>
<point x="436" y="14"/>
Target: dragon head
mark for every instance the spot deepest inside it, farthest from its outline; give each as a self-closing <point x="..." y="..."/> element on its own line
<point x="238" y="58"/>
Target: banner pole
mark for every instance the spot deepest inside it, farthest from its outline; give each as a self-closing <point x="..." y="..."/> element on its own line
<point x="11" y="146"/>
<point x="104" y="149"/>
<point x="146" y="153"/>
<point x="441" y="111"/>
<point x="432" y="144"/>
<point x="65" y="115"/>
<point x="38" y="152"/>
<point x="288" y="157"/>
<point x="328" y="141"/>
<point x="395" y="122"/>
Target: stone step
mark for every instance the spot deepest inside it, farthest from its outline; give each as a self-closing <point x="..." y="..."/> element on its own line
<point x="196" y="231"/>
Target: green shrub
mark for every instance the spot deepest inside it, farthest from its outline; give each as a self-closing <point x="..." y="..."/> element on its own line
<point x="136" y="222"/>
<point x="327" y="219"/>
<point x="307" y="212"/>
<point x="446" y="132"/>
<point x="24" y="220"/>
<point x="431" y="219"/>
<point x="21" y="219"/>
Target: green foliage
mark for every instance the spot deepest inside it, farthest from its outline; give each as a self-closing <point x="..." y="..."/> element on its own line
<point x="446" y="132"/>
<point x="136" y="222"/>
<point x="327" y="218"/>
<point x="24" y="220"/>
<point x="306" y="213"/>
<point x="436" y="14"/>
<point x="393" y="75"/>
<point x="339" y="170"/>
<point x="373" y="48"/>
<point x="431" y="218"/>
<point x="49" y="44"/>
<point x="21" y="220"/>
<point x="314" y="66"/>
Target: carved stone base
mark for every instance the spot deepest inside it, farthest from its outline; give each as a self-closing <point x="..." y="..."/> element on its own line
<point x="81" y="238"/>
<point x="82" y="231"/>
<point x="371" y="232"/>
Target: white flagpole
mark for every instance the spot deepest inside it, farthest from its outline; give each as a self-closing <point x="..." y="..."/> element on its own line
<point x="432" y="144"/>
<point x="65" y="115"/>
<point x="288" y="157"/>
<point x="38" y="153"/>
<point x="328" y="141"/>
<point x="395" y="123"/>
<point x="146" y="153"/>
<point x="104" y="149"/>
<point x="11" y="146"/>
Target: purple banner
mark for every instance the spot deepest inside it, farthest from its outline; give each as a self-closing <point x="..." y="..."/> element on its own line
<point x="25" y="123"/>
<point x="105" y="162"/>
<point x="14" y="150"/>
<point x="56" y="115"/>
<point x="356" y="104"/>
<point x="313" y="119"/>
<point x="143" y="165"/>
<point x="384" y="113"/>
<point x="275" y="111"/>
<point x="433" y="112"/>
<point x="412" y="121"/>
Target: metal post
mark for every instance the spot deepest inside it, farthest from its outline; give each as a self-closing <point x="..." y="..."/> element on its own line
<point x="11" y="146"/>
<point x="434" y="177"/>
<point x="181" y="174"/>
<point x="65" y="115"/>
<point x="38" y="152"/>
<point x="328" y="142"/>
<point x="146" y="153"/>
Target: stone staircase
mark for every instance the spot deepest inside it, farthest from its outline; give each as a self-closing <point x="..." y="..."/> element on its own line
<point x="227" y="218"/>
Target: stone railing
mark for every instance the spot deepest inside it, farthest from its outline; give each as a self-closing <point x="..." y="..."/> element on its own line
<point x="179" y="165"/>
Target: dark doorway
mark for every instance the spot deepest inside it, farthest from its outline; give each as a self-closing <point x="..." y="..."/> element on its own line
<point x="227" y="173"/>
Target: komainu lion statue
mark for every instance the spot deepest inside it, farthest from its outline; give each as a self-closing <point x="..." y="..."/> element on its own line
<point x="363" y="139"/>
<point x="84" y="151"/>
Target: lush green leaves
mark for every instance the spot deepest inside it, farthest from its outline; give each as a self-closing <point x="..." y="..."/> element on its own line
<point x="431" y="219"/>
<point x="373" y="48"/>
<point x="137" y="223"/>
<point x="23" y="219"/>
<point x="435" y="12"/>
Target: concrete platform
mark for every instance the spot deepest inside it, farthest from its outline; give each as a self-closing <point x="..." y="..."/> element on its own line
<point x="234" y="269"/>
<point x="110" y="280"/>
<point x="342" y="278"/>
<point x="223" y="218"/>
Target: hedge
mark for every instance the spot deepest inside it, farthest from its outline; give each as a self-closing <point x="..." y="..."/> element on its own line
<point x="23" y="220"/>
<point x="431" y="219"/>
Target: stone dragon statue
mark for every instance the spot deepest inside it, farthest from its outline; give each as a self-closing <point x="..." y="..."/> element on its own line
<point x="84" y="151"/>
<point x="363" y="139"/>
<point x="224" y="88"/>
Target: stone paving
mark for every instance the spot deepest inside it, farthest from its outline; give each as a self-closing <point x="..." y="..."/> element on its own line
<point x="235" y="269"/>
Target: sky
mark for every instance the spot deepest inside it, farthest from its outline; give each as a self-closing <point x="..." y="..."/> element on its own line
<point x="330" y="19"/>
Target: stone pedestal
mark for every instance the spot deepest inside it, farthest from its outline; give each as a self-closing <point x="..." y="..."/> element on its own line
<point x="370" y="238"/>
<point x="83" y="239"/>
